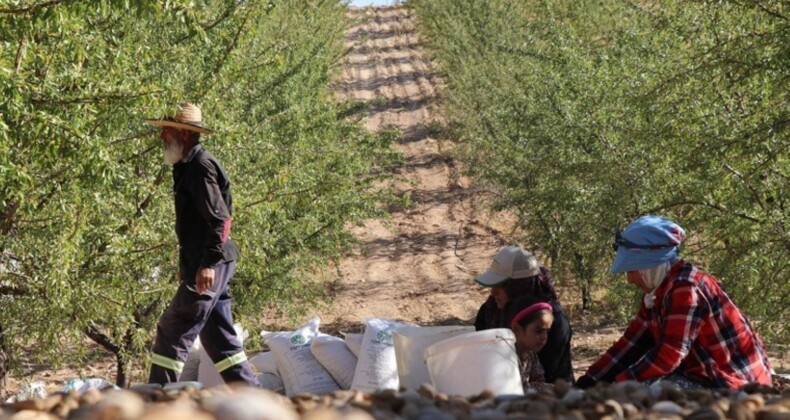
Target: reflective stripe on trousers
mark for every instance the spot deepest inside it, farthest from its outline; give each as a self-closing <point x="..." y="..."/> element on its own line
<point x="167" y="363"/>
<point x="231" y="361"/>
<point x="208" y="315"/>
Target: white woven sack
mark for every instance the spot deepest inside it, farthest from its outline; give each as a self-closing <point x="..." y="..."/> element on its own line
<point x="191" y="366"/>
<point x="377" y="368"/>
<point x="272" y="381"/>
<point x="333" y="354"/>
<point x="268" y="376"/>
<point x="207" y="372"/>
<point x="354" y="343"/>
<point x="299" y="370"/>
<point x="264" y="362"/>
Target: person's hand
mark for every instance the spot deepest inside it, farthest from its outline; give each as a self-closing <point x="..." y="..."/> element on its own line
<point x="204" y="279"/>
<point x="585" y="381"/>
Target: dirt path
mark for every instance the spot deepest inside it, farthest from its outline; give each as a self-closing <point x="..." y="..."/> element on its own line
<point x="419" y="265"/>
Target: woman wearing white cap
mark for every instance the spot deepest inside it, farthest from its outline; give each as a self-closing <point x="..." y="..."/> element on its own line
<point x="515" y="273"/>
<point x="687" y="330"/>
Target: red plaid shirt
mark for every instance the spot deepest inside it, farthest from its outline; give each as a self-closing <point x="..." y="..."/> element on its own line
<point x="693" y="328"/>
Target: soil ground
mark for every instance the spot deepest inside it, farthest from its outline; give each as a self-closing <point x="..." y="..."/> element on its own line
<point x="419" y="265"/>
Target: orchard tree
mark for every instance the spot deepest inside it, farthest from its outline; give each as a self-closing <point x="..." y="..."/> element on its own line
<point x="86" y="214"/>
<point x="583" y="116"/>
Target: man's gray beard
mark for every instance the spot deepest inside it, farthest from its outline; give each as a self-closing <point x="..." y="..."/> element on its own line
<point x="173" y="152"/>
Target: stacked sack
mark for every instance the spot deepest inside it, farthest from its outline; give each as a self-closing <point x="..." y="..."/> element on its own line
<point x="300" y="371"/>
<point x="308" y="361"/>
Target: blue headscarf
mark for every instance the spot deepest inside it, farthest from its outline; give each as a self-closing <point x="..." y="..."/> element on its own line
<point x="647" y="242"/>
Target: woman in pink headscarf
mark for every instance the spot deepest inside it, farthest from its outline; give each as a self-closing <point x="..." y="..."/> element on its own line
<point x="515" y="273"/>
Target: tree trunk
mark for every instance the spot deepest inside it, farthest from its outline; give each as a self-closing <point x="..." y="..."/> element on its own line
<point x="3" y="359"/>
<point x="586" y="294"/>
<point x="125" y="348"/>
<point x="585" y="276"/>
<point x="123" y="362"/>
<point x="122" y="370"/>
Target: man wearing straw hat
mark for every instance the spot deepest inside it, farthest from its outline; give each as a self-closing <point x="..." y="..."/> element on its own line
<point x="207" y="257"/>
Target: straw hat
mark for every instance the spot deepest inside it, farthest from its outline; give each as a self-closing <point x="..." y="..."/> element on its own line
<point x="188" y="117"/>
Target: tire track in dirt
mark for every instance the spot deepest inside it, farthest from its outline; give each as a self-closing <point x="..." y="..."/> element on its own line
<point x="419" y="265"/>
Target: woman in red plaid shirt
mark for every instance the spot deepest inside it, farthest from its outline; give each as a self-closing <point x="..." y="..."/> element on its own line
<point x="688" y="330"/>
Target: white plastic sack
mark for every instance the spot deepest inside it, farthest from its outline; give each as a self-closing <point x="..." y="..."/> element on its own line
<point x="335" y="356"/>
<point x="192" y="365"/>
<point x="354" y="343"/>
<point x="272" y="382"/>
<point x="207" y="372"/>
<point x="377" y="368"/>
<point x="268" y="376"/>
<point x="29" y="391"/>
<point x="264" y="362"/>
<point x="83" y="384"/>
<point x="299" y="370"/>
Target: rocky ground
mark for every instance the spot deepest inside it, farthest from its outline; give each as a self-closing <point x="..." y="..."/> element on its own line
<point x="629" y="400"/>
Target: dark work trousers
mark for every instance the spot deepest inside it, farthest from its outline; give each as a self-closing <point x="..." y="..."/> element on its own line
<point x="191" y="314"/>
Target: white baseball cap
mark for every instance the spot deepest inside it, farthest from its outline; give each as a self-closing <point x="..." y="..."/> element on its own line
<point x="511" y="262"/>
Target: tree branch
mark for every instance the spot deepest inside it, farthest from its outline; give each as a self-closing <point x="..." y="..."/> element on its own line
<point x="134" y="136"/>
<point x="755" y="195"/>
<point x="230" y="48"/>
<point x="210" y="26"/>
<point x="92" y="99"/>
<point x="272" y="196"/>
<point x="769" y="11"/>
<point x="20" y="53"/>
<point x="147" y="202"/>
<point x="151" y="248"/>
<point x="102" y="247"/>
<point x="24" y="10"/>
<point x="14" y="290"/>
<point x="702" y="203"/>
<point x="9" y="218"/>
<point x="93" y="332"/>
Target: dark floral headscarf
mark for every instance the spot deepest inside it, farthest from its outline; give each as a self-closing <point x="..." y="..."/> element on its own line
<point x="540" y="287"/>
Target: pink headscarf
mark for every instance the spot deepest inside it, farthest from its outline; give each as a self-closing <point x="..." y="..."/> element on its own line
<point x="528" y="310"/>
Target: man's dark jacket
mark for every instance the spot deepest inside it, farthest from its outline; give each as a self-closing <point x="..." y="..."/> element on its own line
<point x="555" y="357"/>
<point x="203" y="213"/>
